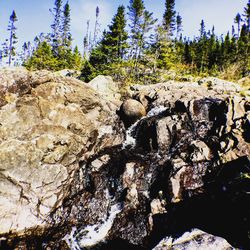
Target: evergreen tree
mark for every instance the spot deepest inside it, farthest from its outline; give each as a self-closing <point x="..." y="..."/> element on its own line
<point x="233" y="31"/>
<point x="86" y="43"/>
<point x="247" y="15"/>
<point x="169" y="20"/>
<point x="97" y="26"/>
<point x="226" y="52"/>
<point x="178" y="25"/>
<point x="42" y="58"/>
<point x="202" y="29"/>
<point x="76" y="61"/>
<point x="237" y="20"/>
<point x="56" y="26"/>
<point x="136" y="15"/>
<point x="244" y="50"/>
<point x="116" y="38"/>
<point x="9" y="46"/>
<point x="66" y="35"/>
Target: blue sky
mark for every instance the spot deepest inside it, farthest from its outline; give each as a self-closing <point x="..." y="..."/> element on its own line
<point x="34" y="16"/>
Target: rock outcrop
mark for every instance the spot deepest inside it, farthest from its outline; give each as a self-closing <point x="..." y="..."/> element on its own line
<point x="72" y="176"/>
<point x="49" y="127"/>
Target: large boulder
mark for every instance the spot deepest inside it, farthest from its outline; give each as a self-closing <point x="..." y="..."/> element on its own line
<point x="131" y="111"/>
<point x="50" y="125"/>
<point x="105" y="86"/>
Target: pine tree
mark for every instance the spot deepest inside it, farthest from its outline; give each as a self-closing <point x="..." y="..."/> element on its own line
<point x="9" y="46"/>
<point x="42" y="58"/>
<point x="226" y="52"/>
<point x="66" y="35"/>
<point x="201" y="58"/>
<point x="75" y="61"/>
<point x="56" y="26"/>
<point x="178" y="25"/>
<point x="202" y="29"/>
<point x="169" y="19"/>
<point x="233" y="31"/>
<point x="238" y="20"/>
<point x="116" y="38"/>
<point x="86" y="43"/>
<point x="136" y="15"/>
<point x="97" y="26"/>
<point x="141" y="23"/>
<point x="247" y="15"/>
<point x="244" y="50"/>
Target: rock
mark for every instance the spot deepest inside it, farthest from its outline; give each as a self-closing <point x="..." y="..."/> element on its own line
<point x="194" y="240"/>
<point x="69" y="72"/>
<point x="131" y="111"/>
<point x="45" y="132"/>
<point x="157" y="207"/>
<point x="69" y="179"/>
<point x="106" y="87"/>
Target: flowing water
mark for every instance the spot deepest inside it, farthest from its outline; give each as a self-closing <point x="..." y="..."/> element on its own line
<point x="130" y="141"/>
<point x="92" y="235"/>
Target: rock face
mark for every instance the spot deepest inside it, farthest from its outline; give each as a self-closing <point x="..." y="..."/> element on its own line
<point x="72" y="177"/>
<point x="48" y="127"/>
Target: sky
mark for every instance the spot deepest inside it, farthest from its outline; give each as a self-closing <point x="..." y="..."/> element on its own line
<point x="34" y="16"/>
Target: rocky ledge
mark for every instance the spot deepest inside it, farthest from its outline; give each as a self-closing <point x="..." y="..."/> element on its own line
<point x="167" y="169"/>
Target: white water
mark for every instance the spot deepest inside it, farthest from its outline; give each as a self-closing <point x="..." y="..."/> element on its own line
<point x="97" y="233"/>
<point x="130" y="141"/>
<point x="156" y="111"/>
<point x="94" y="234"/>
<point x="71" y="240"/>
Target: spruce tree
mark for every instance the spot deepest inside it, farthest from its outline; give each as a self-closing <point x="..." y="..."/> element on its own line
<point x="86" y="43"/>
<point x="42" y="58"/>
<point x="178" y="25"/>
<point x="97" y="26"/>
<point x="237" y="20"/>
<point x="247" y="15"/>
<point x="66" y="35"/>
<point x="116" y="38"/>
<point x="202" y="29"/>
<point x="9" y="46"/>
<point x="56" y="26"/>
<point x="136" y="14"/>
<point x="169" y="19"/>
<point x="244" y="50"/>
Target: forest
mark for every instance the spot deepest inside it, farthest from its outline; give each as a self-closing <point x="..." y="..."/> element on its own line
<point x="135" y="47"/>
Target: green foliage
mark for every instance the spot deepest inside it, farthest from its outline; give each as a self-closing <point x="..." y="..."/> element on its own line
<point x="169" y="20"/>
<point x="42" y="58"/>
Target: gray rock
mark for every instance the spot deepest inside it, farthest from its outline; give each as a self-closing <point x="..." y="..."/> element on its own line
<point x="194" y="240"/>
<point x="105" y="86"/>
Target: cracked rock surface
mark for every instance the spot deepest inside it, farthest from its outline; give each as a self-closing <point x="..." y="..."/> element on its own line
<point x="72" y="176"/>
<point x="45" y="132"/>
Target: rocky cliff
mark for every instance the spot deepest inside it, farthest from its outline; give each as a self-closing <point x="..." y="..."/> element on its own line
<point x="81" y="171"/>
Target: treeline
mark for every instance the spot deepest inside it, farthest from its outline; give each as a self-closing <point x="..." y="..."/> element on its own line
<point x="136" y="46"/>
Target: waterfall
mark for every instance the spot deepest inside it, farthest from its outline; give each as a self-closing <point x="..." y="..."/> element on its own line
<point x="92" y="235"/>
<point x="130" y="141"/>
